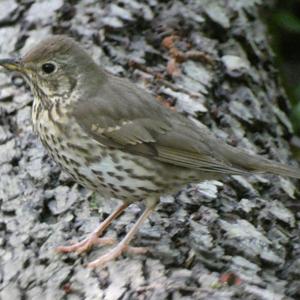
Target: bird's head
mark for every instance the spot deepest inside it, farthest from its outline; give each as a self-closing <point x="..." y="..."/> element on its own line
<point x="54" y="67"/>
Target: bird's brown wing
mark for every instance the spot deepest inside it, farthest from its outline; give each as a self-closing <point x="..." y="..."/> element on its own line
<point x="126" y="117"/>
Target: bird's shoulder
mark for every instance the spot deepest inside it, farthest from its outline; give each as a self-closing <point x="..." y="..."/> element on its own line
<point x="123" y="111"/>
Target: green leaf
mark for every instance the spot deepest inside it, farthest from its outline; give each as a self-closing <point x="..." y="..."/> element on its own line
<point x="288" y="21"/>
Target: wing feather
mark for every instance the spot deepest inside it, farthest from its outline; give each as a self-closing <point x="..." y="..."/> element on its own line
<point x="126" y="117"/>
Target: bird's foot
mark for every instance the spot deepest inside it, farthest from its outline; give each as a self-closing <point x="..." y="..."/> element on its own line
<point x="115" y="253"/>
<point x="93" y="239"/>
<point x="86" y="244"/>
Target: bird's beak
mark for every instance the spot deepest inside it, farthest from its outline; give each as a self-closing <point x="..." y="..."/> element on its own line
<point x="11" y="64"/>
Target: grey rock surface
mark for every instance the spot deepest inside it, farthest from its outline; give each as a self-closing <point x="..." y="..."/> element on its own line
<point x="236" y="239"/>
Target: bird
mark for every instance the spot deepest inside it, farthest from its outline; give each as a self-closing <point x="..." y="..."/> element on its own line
<point x="115" y="138"/>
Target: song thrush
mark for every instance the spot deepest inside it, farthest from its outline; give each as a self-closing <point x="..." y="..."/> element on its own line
<point x="115" y="138"/>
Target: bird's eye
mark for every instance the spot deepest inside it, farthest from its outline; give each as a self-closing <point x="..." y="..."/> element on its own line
<point x="48" y="68"/>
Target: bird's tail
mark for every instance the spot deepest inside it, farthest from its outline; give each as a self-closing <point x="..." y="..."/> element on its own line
<point x="257" y="164"/>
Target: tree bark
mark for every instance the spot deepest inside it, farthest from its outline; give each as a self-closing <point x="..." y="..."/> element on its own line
<point x="236" y="239"/>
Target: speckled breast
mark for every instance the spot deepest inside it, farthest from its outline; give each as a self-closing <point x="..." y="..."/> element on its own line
<point x="112" y="172"/>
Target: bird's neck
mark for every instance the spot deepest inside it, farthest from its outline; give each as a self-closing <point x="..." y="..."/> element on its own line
<point x="39" y="96"/>
<point x="90" y="81"/>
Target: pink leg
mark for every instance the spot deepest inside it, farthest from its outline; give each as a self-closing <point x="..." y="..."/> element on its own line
<point x="123" y="245"/>
<point x="93" y="238"/>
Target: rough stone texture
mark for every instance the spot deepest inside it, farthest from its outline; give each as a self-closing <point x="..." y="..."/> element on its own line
<point x="236" y="240"/>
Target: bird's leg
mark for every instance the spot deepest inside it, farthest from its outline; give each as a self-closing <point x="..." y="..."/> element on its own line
<point x="93" y="238"/>
<point x="123" y="245"/>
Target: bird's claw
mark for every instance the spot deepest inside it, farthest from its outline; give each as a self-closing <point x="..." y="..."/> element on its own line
<point x="115" y="253"/>
<point x="85" y="245"/>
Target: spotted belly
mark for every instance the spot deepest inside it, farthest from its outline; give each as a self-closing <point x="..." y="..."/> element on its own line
<point x="111" y="172"/>
<point x="114" y="173"/>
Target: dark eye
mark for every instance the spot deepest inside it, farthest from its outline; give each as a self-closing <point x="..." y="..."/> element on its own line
<point x="48" y="68"/>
